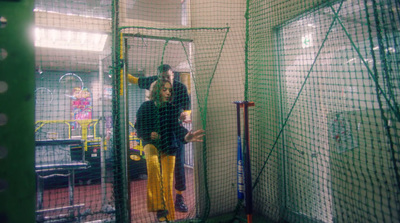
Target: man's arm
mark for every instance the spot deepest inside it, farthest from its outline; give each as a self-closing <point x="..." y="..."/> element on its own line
<point x="132" y="79"/>
<point x="143" y="82"/>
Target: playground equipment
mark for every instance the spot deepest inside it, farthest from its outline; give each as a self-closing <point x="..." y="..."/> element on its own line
<point x="53" y="158"/>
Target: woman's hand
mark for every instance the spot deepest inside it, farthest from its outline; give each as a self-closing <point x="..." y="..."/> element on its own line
<point x="154" y="136"/>
<point x="196" y="136"/>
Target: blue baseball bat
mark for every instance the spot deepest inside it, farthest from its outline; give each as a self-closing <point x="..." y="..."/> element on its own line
<point x="240" y="170"/>
<point x="247" y="166"/>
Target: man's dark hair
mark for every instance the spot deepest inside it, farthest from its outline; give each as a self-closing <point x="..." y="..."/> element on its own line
<point x="163" y="68"/>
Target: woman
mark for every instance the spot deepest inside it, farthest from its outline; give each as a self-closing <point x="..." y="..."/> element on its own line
<point x="157" y="125"/>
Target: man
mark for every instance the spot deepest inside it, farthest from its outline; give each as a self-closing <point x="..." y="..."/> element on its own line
<point x="182" y="100"/>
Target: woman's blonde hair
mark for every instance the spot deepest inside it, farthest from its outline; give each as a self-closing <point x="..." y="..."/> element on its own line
<point x="155" y="94"/>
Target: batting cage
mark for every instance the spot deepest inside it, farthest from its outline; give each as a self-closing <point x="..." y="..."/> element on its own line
<point x="199" y="111"/>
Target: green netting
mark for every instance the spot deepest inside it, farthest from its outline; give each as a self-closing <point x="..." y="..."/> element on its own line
<point x="195" y="52"/>
<point x="330" y="102"/>
<point x="323" y="131"/>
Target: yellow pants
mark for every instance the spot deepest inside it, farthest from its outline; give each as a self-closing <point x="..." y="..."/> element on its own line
<point x="160" y="181"/>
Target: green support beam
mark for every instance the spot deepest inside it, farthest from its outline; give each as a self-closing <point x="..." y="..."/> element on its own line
<point x="17" y="154"/>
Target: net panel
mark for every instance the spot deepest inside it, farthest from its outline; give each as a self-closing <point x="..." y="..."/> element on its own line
<point x="82" y="48"/>
<point x="323" y="131"/>
<point x="73" y="111"/>
<point x="333" y="155"/>
<point x="186" y="52"/>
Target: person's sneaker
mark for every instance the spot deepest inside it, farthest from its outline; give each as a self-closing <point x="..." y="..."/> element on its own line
<point x="180" y="204"/>
<point x="162" y="215"/>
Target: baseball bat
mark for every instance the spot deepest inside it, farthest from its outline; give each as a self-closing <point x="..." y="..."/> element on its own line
<point x="247" y="166"/>
<point x="240" y="183"/>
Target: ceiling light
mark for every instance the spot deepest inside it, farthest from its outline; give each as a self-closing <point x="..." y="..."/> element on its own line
<point x="70" y="40"/>
<point x="352" y="59"/>
<point x="390" y="49"/>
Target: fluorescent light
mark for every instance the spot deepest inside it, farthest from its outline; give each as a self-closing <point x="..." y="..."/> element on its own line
<point x="70" y="40"/>
<point x="351" y="60"/>
<point x="390" y="49"/>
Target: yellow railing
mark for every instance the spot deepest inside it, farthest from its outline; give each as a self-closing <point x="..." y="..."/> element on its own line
<point x="85" y="124"/>
<point x="135" y="142"/>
